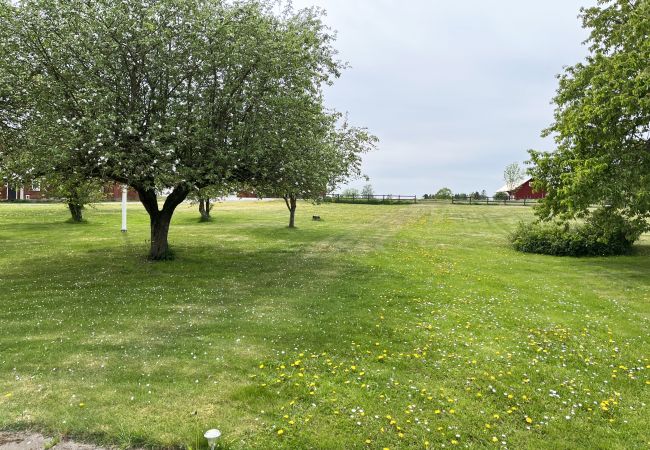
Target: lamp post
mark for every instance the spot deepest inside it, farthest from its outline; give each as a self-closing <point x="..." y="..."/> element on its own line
<point x="124" y="198"/>
<point x="211" y="436"/>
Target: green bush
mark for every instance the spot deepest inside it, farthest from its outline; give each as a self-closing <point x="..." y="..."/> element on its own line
<point x="604" y="233"/>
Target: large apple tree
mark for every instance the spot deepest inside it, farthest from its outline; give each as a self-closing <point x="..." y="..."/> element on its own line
<point x="159" y="94"/>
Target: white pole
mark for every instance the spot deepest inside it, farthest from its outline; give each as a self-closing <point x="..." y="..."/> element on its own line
<point x="124" y="198"/>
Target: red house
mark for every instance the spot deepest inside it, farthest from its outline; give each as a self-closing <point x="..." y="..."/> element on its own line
<point x="522" y="191"/>
<point x="32" y="191"/>
<point x="26" y="192"/>
<point x="113" y="192"/>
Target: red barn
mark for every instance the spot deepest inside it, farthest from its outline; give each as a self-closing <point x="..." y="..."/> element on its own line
<point x="523" y="191"/>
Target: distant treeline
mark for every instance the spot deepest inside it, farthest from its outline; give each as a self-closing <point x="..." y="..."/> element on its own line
<point x="447" y="194"/>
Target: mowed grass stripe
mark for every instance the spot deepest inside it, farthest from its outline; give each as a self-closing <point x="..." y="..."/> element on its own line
<point x="312" y="338"/>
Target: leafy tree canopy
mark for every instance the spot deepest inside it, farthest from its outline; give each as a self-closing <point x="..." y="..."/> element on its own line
<point x="444" y="193"/>
<point x="307" y="151"/>
<point x="154" y="94"/>
<point x="602" y="120"/>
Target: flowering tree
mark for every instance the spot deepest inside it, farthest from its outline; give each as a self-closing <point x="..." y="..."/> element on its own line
<point x="158" y="94"/>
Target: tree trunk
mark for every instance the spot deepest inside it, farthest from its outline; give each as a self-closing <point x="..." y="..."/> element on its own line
<point x="204" y="209"/>
<point x="159" y="231"/>
<point x="160" y="219"/>
<point x="290" y="200"/>
<point x="76" y="210"/>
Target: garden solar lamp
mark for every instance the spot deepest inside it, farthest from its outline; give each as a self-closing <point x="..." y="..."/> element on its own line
<point x="211" y="436"/>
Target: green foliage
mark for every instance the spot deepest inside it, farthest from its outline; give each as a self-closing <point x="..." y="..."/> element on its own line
<point x="388" y="200"/>
<point x="162" y="94"/>
<point x="604" y="233"/>
<point x="73" y="189"/>
<point x="307" y="151"/>
<point x="444" y="194"/>
<point x="602" y="120"/>
<point x="350" y="192"/>
<point x="501" y="196"/>
<point x="170" y="95"/>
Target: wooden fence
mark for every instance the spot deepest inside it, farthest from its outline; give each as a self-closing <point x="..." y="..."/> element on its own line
<point x="372" y="199"/>
<point x="493" y="201"/>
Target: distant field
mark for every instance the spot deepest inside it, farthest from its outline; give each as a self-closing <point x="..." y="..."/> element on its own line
<point x="378" y="327"/>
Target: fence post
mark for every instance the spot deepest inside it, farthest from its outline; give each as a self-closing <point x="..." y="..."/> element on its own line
<point x="415" y="199"/>
<point x="524" y="202"/>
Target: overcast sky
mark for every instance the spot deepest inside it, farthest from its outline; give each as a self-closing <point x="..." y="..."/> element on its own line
<point x="454" y="90"/>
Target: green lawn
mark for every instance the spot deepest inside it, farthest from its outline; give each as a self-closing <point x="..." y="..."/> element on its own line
<point x="378" y="327"/>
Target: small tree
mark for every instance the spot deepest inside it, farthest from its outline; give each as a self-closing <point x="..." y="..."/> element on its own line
<point x="75" y="191"/>
<point x="315" y="151"/>
<point x="512" y="175"/>
<point x="350" y="192"/>
<point x="205" y="197"/>
<point x="367" y="191"/>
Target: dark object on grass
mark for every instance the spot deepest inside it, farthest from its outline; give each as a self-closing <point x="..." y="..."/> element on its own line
<point x="315" y="217"/>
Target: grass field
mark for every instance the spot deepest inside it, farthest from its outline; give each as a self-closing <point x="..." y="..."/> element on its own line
<point x="379" y="327"/>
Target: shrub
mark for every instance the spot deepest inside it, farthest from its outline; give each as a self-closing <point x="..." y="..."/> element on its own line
<point x="604" y="233"/>
<point x="443" y="194"/>
<point x="501" y="196"/>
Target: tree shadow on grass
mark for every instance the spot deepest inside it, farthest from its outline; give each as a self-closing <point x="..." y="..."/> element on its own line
<point x="246" y="282"/>
<point x="105" y="305"/>
<point x="634" y="266"/>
